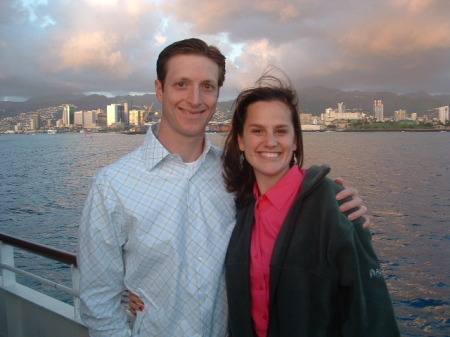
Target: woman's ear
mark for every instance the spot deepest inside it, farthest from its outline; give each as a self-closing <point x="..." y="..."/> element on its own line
<point x="241" y="143"/>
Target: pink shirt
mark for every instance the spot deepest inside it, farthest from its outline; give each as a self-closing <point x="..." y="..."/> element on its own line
<point x="271" y="210"/>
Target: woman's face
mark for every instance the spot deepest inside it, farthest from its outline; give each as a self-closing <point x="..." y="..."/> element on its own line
<point x="268" y="141"/>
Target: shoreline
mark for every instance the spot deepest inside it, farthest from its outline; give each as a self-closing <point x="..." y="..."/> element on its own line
<point x="224" y="132"/>
<point x="398" y="130"/>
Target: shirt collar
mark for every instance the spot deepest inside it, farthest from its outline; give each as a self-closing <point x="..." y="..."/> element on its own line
<point x="279" y="194"/>
<point x="154" y="152"/>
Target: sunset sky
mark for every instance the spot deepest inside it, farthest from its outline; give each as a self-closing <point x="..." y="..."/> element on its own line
<point x="110" y="46"/>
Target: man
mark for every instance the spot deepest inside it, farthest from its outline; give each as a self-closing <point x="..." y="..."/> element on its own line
<point x="157" y="222"/>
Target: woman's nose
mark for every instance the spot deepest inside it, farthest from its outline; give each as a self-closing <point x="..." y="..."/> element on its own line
<point x="270" y="139"/>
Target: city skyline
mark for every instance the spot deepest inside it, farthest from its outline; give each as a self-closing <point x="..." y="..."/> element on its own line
<point x="110" y="47"/>
<point x="125" y="116"/>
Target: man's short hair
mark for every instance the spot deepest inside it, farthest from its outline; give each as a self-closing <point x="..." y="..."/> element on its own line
<point x="191" y="46"/>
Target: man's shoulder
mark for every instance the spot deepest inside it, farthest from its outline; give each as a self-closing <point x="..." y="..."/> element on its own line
<point x="216" y="151"/>
<point x="125" y="164"/>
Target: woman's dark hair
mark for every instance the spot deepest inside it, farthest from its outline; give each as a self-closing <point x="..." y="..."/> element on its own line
<point x="191" y="46"/>
<point x="238" y="174"/>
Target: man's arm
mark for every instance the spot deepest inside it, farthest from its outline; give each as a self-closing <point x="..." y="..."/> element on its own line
<point x="100" y="261"/>
<point x="355" y="203"/>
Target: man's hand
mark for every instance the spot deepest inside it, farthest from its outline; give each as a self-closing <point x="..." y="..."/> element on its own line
<point x="356" y="202"/>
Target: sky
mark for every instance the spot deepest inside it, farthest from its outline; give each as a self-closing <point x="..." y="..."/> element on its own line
<point x="110" y="46"/>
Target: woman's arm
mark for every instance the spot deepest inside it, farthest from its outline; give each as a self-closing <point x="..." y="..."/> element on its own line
<point x="364" y="299"/>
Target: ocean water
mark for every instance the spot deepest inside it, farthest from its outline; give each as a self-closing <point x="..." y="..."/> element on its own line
<point x="404" y="178"/>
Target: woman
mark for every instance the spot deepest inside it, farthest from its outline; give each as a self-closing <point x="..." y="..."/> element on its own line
<point x="295" y="266"/>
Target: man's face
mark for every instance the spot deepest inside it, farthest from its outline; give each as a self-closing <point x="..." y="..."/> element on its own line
<point x="189" y="96"/>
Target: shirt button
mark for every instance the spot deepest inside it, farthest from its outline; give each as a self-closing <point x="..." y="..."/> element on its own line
<point x="265" y="317"/>
<point x="206" y="332"/>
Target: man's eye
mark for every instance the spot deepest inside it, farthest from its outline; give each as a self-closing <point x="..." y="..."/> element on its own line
<point x="181" y="84"/>
<point x="209" y="86"/>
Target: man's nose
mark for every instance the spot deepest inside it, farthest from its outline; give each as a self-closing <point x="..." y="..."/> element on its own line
<point x="194" y="96"/>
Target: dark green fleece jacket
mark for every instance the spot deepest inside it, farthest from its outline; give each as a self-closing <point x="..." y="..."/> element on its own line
<point x="325" y="278"/>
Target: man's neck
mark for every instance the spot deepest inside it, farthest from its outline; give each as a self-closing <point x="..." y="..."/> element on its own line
<point x="189" y="148"/>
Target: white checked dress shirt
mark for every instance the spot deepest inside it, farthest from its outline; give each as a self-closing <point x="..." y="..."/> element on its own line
<point x="160" y="228"/>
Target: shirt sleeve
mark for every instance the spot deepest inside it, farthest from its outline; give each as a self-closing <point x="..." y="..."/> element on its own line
<point x="100" y="262"/>
<point x="365" y="305"/>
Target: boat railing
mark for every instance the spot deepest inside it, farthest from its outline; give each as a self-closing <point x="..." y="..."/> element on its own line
<point x="9" y="270"/>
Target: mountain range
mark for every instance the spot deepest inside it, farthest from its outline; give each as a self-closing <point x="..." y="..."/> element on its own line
<point x="313" y="100"/>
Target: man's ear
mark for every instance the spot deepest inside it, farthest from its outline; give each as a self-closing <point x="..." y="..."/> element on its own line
<point x="159" y="90"/>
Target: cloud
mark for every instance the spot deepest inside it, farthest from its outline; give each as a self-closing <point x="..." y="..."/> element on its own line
<point x="95" y="51"/>
<point x="112" y="46"/>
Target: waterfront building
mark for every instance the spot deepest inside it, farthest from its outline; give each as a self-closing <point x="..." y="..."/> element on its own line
<point x="310" y="123"/>
<point x="399" y="115"/>
<point x="305" y="119"/>
<point x="18" y="127"/>
<point x="444" y="115"/>
<point x="68" y="114"/>
<point x="126" y="111"/>
<point x="101" y="118"/>
<point x="332" y="116"/>
<point x="90" y="119"/>
<point x="115" y="113"/>
<point x="35" y="122"/>
<point x="378" y="108"/>
<point x="135" y="116"/>
<point x="78" y="118"/>
<point x="341" y="108"/>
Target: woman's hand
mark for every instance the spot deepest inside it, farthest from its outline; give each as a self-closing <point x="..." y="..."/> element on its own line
<point x="135" y="304"/>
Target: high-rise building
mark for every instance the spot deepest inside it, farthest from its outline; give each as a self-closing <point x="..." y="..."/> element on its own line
<point x="78" y="118"/>
<point x="68" y="114"/>
<point x="444" y="114"/>
<point x="115" y="114"/>
<point x="90" y="119"/>
<point x="35" y="122"/>
<point x="127" y="106"/>
<point x="378" y="110"/>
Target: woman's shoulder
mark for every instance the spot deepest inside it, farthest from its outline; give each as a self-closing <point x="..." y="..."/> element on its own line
<point x="317" y="178"/>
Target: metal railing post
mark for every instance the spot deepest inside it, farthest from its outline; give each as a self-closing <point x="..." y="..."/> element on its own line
<point x="7" y="258"/>
<point x="76" y="289"/>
